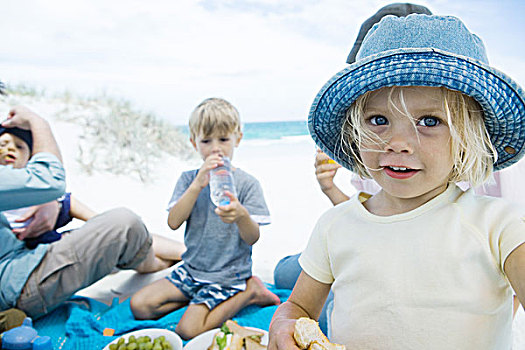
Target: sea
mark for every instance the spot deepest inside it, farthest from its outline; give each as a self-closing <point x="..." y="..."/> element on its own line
<point x="275" y="130"/>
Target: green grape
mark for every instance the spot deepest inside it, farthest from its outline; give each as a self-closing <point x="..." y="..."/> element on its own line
<point x="141" y="339"/>
<point x="166" y="345"/>
<point x="141" y="343"/>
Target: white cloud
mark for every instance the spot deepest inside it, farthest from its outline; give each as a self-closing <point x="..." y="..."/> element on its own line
<point x="269" y="57"/>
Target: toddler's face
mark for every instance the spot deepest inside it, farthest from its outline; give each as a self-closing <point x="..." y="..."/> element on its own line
<point x="222" y="145"/>
<point x="412" y="158"/>
<point x="13" y="151"/>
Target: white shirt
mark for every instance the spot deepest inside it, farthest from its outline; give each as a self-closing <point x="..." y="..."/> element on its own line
<point x="431" y="278"/>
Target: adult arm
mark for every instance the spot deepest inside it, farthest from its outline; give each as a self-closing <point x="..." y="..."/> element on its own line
<point x="306" y="300"/>
<point x="43" y="179"/>
<point x="45" y="217"/>
<point x="43" y="139"/>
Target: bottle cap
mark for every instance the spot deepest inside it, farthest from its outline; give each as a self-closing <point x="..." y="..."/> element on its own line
<point x="19" y="338"/>
<point x="42" y="343"/>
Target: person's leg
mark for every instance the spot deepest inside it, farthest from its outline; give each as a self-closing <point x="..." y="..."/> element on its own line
<point x="286" y="272"/>
<point x="152" y="263"/>
<point x="116" y="238"/>
<point x="199" y="318"/>
<point x="156" y="300"/>
<point x="168" y="249"/>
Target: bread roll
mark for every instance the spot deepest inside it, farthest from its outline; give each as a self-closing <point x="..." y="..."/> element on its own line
<point x="308" y="335"/>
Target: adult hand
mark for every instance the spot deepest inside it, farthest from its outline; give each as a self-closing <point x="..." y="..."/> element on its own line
<point x="20" y="117"/>
<point x="44" y="217"/>
<point x="325" y="170"/>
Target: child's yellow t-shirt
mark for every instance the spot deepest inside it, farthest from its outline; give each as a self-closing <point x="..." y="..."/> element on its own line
<point x="431" y="278"/>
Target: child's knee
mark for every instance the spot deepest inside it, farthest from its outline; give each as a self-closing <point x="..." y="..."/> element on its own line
<point x="188" y="328"/>
<point x="140" y="306"/>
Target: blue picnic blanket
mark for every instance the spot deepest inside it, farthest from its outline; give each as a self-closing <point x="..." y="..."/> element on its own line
<point x="80" y="322"/>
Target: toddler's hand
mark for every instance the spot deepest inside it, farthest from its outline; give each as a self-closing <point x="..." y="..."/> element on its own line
<point x="203" y="176"/>
<point x="281" y="335"/>
<point x="325" y="170"/>
<point x="232" y="212"/>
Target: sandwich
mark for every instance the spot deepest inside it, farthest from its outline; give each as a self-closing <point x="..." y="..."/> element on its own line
<point x="308" y="335"/>
<point x="234" y="337"/>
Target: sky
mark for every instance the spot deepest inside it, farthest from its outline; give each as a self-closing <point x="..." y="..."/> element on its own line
<point x="267" y="57"/>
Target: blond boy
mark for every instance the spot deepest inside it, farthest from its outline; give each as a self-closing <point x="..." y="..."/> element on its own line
<point x="215" y="278"/>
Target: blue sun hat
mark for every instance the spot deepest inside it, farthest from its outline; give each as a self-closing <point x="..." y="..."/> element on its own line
<point x="422" y="50"/>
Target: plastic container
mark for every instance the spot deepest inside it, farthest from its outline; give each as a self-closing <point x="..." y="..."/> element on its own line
<point x="25" y="337"/>
<point x="221" y="180"/>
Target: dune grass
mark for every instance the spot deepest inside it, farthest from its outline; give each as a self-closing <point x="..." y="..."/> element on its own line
<point x="115" y="137"/>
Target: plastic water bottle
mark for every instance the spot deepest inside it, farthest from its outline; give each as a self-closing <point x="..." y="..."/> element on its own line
<point x="221" y="180"/>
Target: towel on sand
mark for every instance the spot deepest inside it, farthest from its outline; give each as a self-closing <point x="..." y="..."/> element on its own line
<point x="79" y="323"/>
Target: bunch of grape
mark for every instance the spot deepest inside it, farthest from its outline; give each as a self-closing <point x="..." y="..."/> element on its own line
<point x="141" y="343"/>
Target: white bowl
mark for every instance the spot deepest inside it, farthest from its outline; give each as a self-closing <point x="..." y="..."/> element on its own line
<point x="173" y="338"/>
<point x="203" y="341"/>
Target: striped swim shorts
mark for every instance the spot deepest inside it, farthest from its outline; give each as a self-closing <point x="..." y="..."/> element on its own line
<point x="201" y="292"/>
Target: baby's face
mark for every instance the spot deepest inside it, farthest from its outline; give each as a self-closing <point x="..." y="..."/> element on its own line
<point x="13" y="151"/>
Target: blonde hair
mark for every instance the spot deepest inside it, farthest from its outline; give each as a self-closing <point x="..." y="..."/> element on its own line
<point x="473" y="153"/>
<point x="214" y="116"/>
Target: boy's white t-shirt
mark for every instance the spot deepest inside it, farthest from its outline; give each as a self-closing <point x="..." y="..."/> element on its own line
<point x="431" y="278"/>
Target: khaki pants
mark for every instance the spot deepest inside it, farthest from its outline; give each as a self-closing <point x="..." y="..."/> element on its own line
<point x="116" y="238"/>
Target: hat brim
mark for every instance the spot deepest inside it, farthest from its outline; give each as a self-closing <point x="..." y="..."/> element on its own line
<point x="502" y="99"/>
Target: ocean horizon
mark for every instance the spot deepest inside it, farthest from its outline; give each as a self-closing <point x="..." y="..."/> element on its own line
<point x="274" y="130"/>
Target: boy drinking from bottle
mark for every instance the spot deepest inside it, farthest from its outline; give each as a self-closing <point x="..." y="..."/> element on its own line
<point x="215" y="278"/>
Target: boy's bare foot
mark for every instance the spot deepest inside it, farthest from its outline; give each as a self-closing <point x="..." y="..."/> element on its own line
<point x="260" y="294"/>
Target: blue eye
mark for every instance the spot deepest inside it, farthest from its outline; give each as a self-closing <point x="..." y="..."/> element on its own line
<point x="429" y="121"/>
<point x="378" y="120"/>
